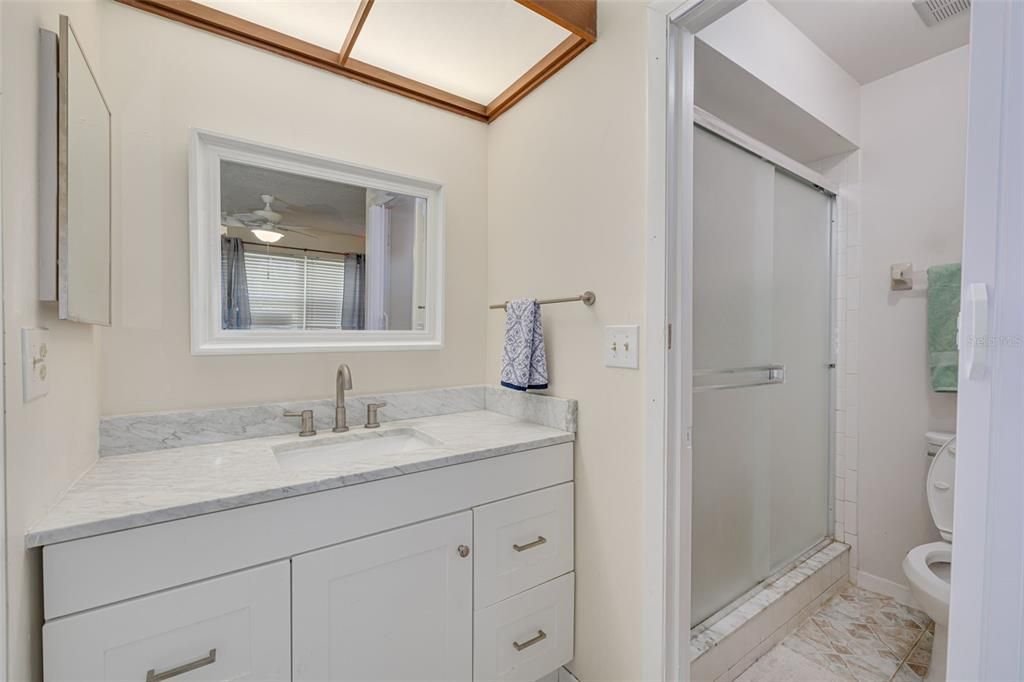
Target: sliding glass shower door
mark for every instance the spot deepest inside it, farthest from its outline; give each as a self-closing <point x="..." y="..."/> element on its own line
<point x="761" y="321"/>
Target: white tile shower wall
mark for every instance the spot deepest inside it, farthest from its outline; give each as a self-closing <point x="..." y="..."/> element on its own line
<point x="844" y="170"/>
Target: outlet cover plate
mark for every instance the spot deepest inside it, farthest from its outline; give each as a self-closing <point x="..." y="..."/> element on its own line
<point x="34" y="371"/>
<point x="621" y="346"/>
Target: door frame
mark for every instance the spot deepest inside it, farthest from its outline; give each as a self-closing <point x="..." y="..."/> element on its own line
<point x="989" y="555"/>
<point x="668" y="377"/>
<point x="671" y="27"/>
<point x="3" y="410"/>
<point x="987" y="596"/>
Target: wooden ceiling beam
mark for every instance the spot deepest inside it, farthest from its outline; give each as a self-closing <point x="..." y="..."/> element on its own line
<point x="362" y="13"/>
<point x="579" y="17"/>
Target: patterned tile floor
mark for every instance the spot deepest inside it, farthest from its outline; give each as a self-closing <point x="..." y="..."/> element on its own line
<point x="857" y="636"/>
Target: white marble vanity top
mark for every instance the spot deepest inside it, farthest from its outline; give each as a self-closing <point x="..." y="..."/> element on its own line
<point x="128" y="491"/>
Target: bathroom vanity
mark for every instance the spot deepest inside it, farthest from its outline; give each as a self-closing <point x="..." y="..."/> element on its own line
<point x="433" y="548"/>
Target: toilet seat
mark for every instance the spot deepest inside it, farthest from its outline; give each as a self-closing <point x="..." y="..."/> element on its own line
<point x="929" y="585"/>
<point x="939" y="488"/>
<point x="930" y="591"/>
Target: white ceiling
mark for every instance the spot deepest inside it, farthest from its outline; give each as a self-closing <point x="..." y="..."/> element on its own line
<point x="871" y="39"/>
<point x="302" y="201"/>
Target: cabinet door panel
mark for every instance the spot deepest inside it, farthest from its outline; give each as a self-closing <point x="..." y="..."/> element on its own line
<point x="229" y="628"/>
<point x="393" y="606"/>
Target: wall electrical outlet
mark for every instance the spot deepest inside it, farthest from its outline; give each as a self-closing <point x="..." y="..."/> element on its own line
<point x="34" y="371"/>
<point x="621" y="346"/>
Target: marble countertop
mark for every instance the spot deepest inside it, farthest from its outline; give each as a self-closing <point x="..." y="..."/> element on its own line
<point x="129" y="491"/>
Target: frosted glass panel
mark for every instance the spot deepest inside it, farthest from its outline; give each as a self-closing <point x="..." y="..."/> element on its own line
<point x="800" y="407"/>
<point x="761" y="326"/>
<point x="732" y="316"/>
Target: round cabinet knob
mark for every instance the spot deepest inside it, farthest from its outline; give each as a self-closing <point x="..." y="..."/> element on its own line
<point x="463" y="551"/>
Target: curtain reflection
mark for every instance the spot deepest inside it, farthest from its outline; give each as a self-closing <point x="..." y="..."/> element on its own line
<point x="235" y="313"/>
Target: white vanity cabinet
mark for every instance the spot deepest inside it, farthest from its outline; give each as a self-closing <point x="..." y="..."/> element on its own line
<point x="393" y="606"/>
<point x="459" y="573"/>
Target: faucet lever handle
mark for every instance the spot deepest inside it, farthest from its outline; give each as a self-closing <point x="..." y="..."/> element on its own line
<point x="307" y="421"/>
<point x="371" y="414"/>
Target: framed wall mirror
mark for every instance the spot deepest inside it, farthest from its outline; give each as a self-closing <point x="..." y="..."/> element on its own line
<point x="293" y="252"/>
<point x="79" y="276"/>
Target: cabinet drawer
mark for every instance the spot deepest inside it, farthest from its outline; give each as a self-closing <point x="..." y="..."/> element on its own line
<point x="521" y="542"/>
<point x="527" y="636"/>
<point x="236" y="627"/>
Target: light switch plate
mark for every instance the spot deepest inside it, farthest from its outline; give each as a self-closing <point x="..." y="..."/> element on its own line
<point x="621" y="347"/>
<point x="34" y="371"/>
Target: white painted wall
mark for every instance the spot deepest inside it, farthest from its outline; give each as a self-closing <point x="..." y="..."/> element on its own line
<point x="164" y="77"/>
<point x="760" y="39"/>
<point x="566" y="174"/>
<point x="51" y="440"/>
<point x="914" y="125"/>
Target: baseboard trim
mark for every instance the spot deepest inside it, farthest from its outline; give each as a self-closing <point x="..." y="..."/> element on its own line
<point x="874" y="583"/>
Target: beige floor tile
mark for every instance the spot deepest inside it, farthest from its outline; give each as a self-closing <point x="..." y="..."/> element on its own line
<point x="858" y="636"/>
<point x="906" y="674"/>
<point x="784" y="665"/>
<point x="921" y="656"/>
<point x="899" y="639"/>
<point x="872" y="668"/>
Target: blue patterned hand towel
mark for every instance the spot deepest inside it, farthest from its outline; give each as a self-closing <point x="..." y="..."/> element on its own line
<point x="523" y="361"/>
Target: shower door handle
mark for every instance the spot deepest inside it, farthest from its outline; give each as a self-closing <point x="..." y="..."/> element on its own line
<point x="773" y="374"/>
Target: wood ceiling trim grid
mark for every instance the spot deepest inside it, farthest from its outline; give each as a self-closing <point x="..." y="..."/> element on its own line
<point x="579" y="17"/>
<point x="362" y="14"/>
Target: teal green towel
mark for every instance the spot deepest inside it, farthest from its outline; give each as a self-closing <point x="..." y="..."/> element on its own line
<point x="943" y="308"/>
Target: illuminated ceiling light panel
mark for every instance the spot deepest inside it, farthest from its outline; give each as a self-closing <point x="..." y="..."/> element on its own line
<point x="321" y="22"/>
<point x="470" y="49"/>
<point x="476" y="58"/>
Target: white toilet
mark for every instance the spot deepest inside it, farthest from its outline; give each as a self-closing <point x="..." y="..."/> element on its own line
<point x="927" y="567"/>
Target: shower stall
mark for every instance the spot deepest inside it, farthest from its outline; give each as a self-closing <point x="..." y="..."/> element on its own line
<point x="763" y="364"/>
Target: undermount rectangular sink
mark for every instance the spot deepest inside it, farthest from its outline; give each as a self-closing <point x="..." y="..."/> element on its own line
<point x="357" y="447"/>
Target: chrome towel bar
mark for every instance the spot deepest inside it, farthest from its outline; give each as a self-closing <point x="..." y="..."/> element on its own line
<point x="776" y="374"/>
<point x="586" y="298"/>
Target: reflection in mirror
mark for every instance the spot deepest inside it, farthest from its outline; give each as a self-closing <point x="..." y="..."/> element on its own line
<point x="306" y="253"/>
<point x="84" y="188"/>
<point x="292" y="252"/>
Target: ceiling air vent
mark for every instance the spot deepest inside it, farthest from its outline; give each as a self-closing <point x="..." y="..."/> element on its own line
<point x="936" y="11"/>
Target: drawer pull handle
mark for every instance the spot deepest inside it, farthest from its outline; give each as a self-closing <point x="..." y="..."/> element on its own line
<point x="209" y="659"/>
<point x="530" y="545"/>
<point x="539" y="637"/>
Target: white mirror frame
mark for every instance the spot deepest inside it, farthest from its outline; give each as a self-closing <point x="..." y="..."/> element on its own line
<point x="206" y="151"/>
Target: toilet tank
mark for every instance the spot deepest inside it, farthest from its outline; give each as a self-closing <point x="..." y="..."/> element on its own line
<point x="935" y="440"/>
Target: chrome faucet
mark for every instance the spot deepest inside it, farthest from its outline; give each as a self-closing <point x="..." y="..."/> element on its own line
<point x="343" y="382"/>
